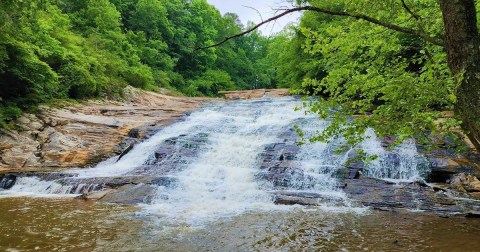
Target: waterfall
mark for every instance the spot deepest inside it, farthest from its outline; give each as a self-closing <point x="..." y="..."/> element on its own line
<point x="403" y="163"/>
<point x="229" y="158"/>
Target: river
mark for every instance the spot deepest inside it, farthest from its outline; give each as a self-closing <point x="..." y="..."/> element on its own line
<point x="211" y="181"/>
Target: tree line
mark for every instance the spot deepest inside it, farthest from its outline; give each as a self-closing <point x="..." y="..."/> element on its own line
<point x="395" y="65"/>
<point x="58" y="49"/>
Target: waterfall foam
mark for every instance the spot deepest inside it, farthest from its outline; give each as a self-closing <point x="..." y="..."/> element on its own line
<point x="403" y="163"/>
<point x="229" y="158"/>
<point x="32" y="186"/>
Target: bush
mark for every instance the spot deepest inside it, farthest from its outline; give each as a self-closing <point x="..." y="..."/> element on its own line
<point x="8" y="112"/>
<point x="210" y="83"/>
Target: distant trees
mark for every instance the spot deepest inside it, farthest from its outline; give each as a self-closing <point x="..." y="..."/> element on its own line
<point x="77" y="49"/>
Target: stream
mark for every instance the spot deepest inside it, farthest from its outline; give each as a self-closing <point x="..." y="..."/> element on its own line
<point x="230" y="177"/>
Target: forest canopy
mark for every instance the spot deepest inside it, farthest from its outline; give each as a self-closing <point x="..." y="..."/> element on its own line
<point x="58" y="49"/>
<point x="383" y="61"/>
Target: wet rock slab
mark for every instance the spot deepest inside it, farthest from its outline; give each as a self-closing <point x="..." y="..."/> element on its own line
<point x="385" y="195"/>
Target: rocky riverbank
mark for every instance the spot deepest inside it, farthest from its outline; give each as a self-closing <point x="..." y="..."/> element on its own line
<point x="83" y="134"/>
<point x="252" y="94"/>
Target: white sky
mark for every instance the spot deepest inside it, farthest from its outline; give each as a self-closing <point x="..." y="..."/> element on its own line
<point x="265" y="7"/>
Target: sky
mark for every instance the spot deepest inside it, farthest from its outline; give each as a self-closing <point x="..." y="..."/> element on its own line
<point x="265" y="7"/>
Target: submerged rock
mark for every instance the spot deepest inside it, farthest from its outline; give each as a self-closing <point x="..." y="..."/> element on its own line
<point x="130" y="194"/>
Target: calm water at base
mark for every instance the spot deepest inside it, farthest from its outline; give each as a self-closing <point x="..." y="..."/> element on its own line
<point x="37" y="224"/>
<point x="33" y="224"/>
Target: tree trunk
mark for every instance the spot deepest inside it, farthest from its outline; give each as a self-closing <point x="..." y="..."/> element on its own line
<point x="462" y="47"/>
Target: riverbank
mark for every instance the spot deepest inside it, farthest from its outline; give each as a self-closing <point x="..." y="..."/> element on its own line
<point x="83" y="134"/>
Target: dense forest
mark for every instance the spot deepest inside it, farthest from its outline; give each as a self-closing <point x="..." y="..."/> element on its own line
<point x="393" y="69"/>
<point x="77" y="49"/>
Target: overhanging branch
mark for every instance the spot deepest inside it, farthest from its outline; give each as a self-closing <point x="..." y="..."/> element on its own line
<point x="414" y="15"/>
<point x="394" y="27"/>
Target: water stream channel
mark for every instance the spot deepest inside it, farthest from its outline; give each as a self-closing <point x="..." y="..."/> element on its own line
<point x="230" y="177"/>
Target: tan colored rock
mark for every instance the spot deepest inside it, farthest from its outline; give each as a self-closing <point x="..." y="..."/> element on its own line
<point x="5" y="146"/>
<point x="83" y="134"/>
<point x="20" y="151"/>
<point x="253" y="94"/>
<point x="465" y="183"/>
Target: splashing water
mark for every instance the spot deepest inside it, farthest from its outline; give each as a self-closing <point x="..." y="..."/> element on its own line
<point x="403" y="163"/>
<point x="220" y="175"/>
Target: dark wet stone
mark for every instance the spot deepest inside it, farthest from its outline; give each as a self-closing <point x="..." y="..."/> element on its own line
<point x="278" y="166"/>
<point x="416" y="196"/>
<point x="304" y="198"/>
<point x="167" y="181"/>
<point x="126" y="151"/>
<point x="289" y="200"/>
<point x="144" y="131"/>
<point x="136" y="133"/>
<point x="387" y="141"/>
<point x="443" y="169"/>
<point x="356" y="165"/>
<point x="8" y="181"/>
<point x="384" y="209"/>
<point x="473" y="214"/>
<point x="301" y="194"/>
<point x="354" y="173"/>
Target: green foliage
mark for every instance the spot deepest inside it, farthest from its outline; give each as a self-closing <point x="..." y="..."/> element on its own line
<point x="210" y="83"/>
<point x="76" y="49"/>
<point x="7" y="114"/>
<point x="392" y="82"/>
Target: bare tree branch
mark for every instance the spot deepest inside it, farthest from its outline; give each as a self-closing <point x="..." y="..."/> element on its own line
<point x="258" y="12"/>
<point x="394" y="27"/>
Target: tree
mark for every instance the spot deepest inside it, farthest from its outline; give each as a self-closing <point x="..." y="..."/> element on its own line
<point x="459" y="41"/>
<point x="77" y="49"/>
<point x="462" y="48"/>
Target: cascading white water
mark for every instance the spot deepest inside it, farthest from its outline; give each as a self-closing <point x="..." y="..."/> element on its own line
<point x="220" y="179"/>
<point x="32" y="186"/>
<point x="403" y="163"/>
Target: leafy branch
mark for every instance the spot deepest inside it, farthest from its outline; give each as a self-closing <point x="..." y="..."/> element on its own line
<point x="417" y="33"/>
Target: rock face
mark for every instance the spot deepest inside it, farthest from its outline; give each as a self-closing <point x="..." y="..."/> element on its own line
<point x="84" y="134"/>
